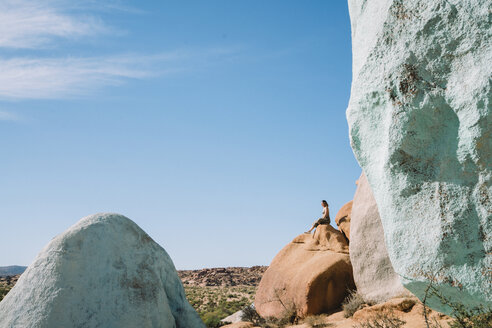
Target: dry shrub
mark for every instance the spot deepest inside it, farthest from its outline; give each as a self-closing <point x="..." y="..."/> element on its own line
<point x="317" y="321"/>
<point x="386" y="319"/>
<point x="250" y="314"/>
<point x="352" y="303"/>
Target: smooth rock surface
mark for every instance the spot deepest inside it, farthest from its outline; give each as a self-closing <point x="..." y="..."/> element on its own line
<point x="102" y="272"/>
<point x="373" y="273"/>
<point x="343" y="218"/>
<point x="310" y="275"/>
<point x="234" y="318"/>
<point x="421" y="128"/>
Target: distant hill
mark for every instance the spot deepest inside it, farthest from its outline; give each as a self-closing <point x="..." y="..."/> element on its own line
<point x="11" y="270"/>
<point x="231" y="276"/>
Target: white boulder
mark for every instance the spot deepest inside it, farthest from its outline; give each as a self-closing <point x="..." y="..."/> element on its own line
<point x="102" y="272"/>
<point x="420" y="119"/>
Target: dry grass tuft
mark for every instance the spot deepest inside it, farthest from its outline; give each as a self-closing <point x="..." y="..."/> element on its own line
<point x="352" y="303"/>
<point x="317" y="321"/>
<point x="385" y="319"/>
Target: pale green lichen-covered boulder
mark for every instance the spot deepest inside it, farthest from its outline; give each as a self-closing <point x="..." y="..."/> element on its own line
<point x="420" y="123"/>
<point x="102" y="272"/>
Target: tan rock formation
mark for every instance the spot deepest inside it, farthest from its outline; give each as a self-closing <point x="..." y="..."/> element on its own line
<point x="310" y="275"/>
<point x="342" y="219"/>
<point x="373" y="272"/>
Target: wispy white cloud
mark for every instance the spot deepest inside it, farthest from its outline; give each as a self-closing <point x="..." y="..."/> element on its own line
<point x="24" y="78"/>
<point x="37" y="23"/>
<point x="51" y="78"/>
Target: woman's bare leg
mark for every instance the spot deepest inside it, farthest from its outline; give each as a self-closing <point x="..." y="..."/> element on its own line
<point x="309" y="231"/>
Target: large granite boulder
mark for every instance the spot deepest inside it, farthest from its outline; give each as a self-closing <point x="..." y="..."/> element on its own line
<point x="421" y="128"/>
<point x="343" y="218"/>
<point x="310" y="275"/>
<point x="373" y="273"/>
<point x="102" y="272"/>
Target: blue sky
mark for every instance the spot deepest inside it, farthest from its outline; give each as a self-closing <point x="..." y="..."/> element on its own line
<point x="217" y="126"/>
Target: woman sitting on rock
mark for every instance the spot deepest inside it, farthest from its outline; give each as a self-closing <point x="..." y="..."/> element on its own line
<point x="323" y="220"/>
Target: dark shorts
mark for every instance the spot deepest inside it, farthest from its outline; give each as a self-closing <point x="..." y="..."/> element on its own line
<point x="321" y="221"/>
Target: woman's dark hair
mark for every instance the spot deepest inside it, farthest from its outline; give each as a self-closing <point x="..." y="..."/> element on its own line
<point x="324" y="202"/>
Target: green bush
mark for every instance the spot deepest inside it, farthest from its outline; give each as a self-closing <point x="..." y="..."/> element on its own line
<point x="214" y="303"/>
<point x="3" y="292"/>
<point x="212" y="319"/>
